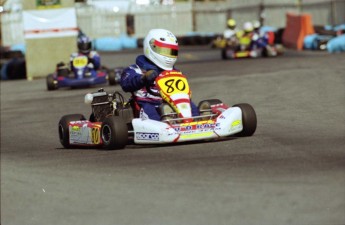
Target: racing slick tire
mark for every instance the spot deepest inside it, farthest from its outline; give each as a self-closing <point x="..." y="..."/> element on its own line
<point x="114" y="133"/>
<point x="111" y="77"/>
<point x="249" y="120"/>
<point x="51" y="84"/>
<point x="223" y="53"/>
<point x="64" y="129"/>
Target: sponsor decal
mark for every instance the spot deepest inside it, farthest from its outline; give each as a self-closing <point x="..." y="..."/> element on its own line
<point x="75" y="128"/>
<point x="184" y="106"/>
<point x="235" y="125"/>
<point x="196" y="135"/>
<point x="75" y="132"/>
<point x="78" y="122"/>
<point x="48" y="4"/>
<point x="200" y="126"/>
<point x="147" y="136"/>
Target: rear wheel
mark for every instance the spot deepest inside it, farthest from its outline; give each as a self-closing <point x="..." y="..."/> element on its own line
<point x="64" y="129"/>
<point x="249" y="120"/>
<point x="114" y="133"/>
<point x="51" y="83"/>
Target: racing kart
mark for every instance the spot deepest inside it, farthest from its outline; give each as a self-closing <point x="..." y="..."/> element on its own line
<point x="253" y="47"/>
<point x="115" y="122"/>
<point x="81" y="75"/>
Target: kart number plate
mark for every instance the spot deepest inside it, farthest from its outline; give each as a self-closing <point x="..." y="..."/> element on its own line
<point x="80" y="61"/>
<point x="173" y="84"/>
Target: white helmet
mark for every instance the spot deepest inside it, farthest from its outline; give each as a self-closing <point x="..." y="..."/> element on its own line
<point x="161" y="47"/>
<point x="256" y="24"/>
<point x="248" y="27"/>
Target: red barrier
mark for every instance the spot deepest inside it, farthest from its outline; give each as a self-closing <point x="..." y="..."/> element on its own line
<point x="297" y="27"/>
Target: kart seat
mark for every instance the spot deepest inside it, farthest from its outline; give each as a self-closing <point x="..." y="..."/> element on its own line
<point x="62" y="69"/>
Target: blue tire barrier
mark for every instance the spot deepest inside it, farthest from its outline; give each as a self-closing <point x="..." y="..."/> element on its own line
<point x="18" y="47"/>
<point x="107" y="44"/>
<point x="265" y="29"/>
<point x="128" y="42"/>
<point x="115" y="44"/>
<point x="317" y="41"/>
<point x="336" y="44"/>
<point x="309" y="40"/>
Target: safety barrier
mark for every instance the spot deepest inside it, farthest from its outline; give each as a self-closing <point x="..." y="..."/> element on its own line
<point x="336" y="44"/>
<point x="297" y="27"/>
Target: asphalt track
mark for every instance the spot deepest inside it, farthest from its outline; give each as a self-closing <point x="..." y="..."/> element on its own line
<point x="292" y="171"/>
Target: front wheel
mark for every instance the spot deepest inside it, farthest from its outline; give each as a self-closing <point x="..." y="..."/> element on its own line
<point x="114" y="133"/>
<point x="223" y="54"/>
<point x="249" y="120"/>
<point x="112" y="77"/>
<point x="64" y="128"/>
<point x="51" y="83"/>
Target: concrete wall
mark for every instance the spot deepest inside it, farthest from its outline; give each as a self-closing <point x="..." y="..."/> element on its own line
<point x="185" y="17"/>
<point x="102" y="23"/>
<point x="176" y="18"/>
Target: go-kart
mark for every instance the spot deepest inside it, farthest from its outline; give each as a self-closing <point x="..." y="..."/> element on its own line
<point x="251" y="47"/>
<point x="81" y="75"/>
<point x="115" y="122"/>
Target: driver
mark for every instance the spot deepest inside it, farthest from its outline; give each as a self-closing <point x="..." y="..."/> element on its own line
<point x="84" y="45"/>
<point x="230" y="30"/>
<point x="246" y="36"/>
<point x="160" y="53"/>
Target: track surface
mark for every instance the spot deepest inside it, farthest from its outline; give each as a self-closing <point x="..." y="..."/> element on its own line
<point x="292" y="171"/>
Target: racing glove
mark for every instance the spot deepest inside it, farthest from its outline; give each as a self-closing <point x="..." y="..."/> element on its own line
<point x="149" y="76"/>
<point x="90" y="66"/>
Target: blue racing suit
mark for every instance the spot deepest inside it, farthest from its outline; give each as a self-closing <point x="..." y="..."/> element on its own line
<point x="131" y="81"/>
<point x="259" y="40"/>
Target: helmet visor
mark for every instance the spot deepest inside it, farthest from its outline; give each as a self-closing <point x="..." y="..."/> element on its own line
<point x="84" y="46"/>
<point x="161" y="48"/>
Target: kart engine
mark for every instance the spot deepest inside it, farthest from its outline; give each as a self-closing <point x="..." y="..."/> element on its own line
<point x="105" y="105"/>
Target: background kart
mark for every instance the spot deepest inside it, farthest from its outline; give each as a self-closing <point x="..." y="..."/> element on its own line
<point x="247" y="48"/>
<point x="114" y="121"/>
<point x="231" y="53"/>
<point x="81" y="77"/>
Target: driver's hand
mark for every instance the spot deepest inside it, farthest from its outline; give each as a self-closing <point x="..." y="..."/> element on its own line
<point x="150" y="76"/>
<point x="90" y="66"/>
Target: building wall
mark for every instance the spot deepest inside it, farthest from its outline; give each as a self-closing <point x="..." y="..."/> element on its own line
<point x="184" y="17"/>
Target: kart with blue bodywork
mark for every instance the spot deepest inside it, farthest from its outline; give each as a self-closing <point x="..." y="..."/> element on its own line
<point x="115" y="122"/>
<point x="81" y="75"/>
